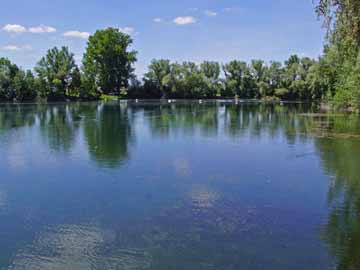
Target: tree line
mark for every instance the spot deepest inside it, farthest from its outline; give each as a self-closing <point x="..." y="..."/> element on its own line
<point x="107" y="69"/>
<point x="293" y="80"/>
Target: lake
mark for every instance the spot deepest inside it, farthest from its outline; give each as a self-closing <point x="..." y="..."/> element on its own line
<point x="184" y="185"/>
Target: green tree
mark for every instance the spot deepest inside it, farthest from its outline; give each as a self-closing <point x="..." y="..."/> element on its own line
<point x="211" y="71"/>
<point x="158" y="70"/>
<point x="294" y="79"/>
<point x="75" y="83"/>
<point x="258" y="71"/>
<point x="343" y="49"/>
<point x="238" y="80"/>
<point x="107" y="62"/>
<point x="8" y="72"/>
<point x="24" y="86"/>
<point x="55" y="73"/>
<point x="175" y="80"/>
<point x="274" y="75"/>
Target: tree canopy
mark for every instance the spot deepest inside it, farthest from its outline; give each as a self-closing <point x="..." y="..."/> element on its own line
<point x="55" y="72"/>
<point x="341" y="56"/>
<point x="107" y="62"/>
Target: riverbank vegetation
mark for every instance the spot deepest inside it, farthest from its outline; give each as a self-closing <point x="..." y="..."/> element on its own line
<point x="292" y="80"/>
<point x="340" y="64"/>
<point x="107" y="71"/>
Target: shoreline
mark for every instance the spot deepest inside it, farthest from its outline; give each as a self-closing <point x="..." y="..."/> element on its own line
<point x="169" y="100"/>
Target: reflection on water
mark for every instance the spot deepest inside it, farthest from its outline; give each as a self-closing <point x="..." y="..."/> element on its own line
<point x="107" y="133"/>
<point x="78" y="247"/>
<point x="203" y="197"/>
<point x="2" y="199"/>
<point x="58" y="126"/>
<point x="342" y="231"/>
<point x="154" y="185"/>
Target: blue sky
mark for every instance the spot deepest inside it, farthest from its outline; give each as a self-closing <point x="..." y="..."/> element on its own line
<point x="183" y="30"/>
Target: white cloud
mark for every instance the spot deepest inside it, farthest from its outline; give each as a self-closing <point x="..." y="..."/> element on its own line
<point x="193" y="9"/>
<point x="42" y="29"/>
<point x="158" y="20"/>
<point x="231" y="9"/>
<point x="11" y="48"/>
<point x="16" y="47"/>
<point x="127" y="30"/>
<point x="185" y="20"/>
<point x="210" y="13"/>
<point x="77" y="34"/>
<point x="14" y="28"/>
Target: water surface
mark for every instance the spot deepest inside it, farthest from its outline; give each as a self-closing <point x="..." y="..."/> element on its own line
<point x="153" y="185"/>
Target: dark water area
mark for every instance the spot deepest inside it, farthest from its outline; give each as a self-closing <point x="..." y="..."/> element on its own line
<point x="187" y="186"/>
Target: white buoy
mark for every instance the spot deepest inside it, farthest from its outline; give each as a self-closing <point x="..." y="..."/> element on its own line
<point x="169" y="101"/>
<point x="136" y="100"/>
<point x="200" y="101"/>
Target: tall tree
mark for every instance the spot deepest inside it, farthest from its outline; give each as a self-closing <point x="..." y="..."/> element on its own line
<point x="158" y="70"/>
<point x="7" y="73"/>
<point x="342" y="17"/>
<point x="107" y="62"/>
<point x="211" y="72"/>
<point x="238" y="79"/>
<point x="24" y="86"/>
<point x="258" y="73"/>
<point x="75" y="84"/>
<point x="54" y="72"/>
<point x="274" y="75"/>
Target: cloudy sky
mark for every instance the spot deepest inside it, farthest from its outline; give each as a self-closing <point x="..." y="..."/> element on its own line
<point x="183" y="30"/>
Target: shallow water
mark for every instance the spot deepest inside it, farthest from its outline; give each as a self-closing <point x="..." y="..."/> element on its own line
<point x="185" y="186"/>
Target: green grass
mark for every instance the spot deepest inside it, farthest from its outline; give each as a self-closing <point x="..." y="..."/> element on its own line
<point x="104" y="97"/>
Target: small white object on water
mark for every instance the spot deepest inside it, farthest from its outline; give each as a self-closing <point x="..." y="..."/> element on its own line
<point x="169" y="101"/>
<point x="281" y="103"/>
<point x="200" y="101"/>
<point x="136" y="100"/>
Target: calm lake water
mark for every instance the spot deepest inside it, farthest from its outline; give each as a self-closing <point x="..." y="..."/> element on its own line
<point x="183" y="186"/>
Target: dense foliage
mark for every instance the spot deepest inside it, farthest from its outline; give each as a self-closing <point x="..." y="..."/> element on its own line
<point x="341" y="60"/>
<point x="296" y="79"/>
<point x="107" y="68"/>
<point x="15" y="83"/>
<point x="107" y="62"/>
<point x="55" y="73"/>
<point x="58" y="77"/>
